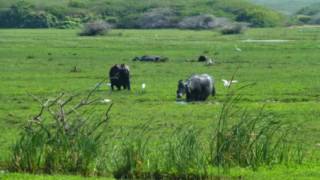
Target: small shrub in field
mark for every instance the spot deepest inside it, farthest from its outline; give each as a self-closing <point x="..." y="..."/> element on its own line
<point x="95" y="28"/>
<point x="303" y="19"/>
<point x="235" y="28"/>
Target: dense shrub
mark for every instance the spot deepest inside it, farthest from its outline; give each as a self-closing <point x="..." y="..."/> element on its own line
<point x="309" y="15"/>
<point x="157" y="18"/>
<point x="40" y="20"/>
<point x="233" y="28"/>
<point x="303" y="19"/>
<point x="69" y="23"/>
<point x="259" y="18"/>
<point x="95" y="28"/>
<point x="24" y="15"/>
<point x="310" y="10"/>
<point x="206" y="21"/>
<point x="315" y="19"/>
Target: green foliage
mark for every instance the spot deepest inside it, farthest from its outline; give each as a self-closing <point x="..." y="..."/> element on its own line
<point x="303" y="18"/>
<point x="310" y="10"/>
<point x="24" y="15"/>
<point x="235" y="28"/>
<point x="309" y="14"/>
<point x="134" y="14"/>
<point x="95" y="28"/>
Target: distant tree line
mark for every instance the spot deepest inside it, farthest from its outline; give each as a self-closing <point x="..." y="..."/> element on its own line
<point x="308" y="15"/>
<point x="197" y="14"/>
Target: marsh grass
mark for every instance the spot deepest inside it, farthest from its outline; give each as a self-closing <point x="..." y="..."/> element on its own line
<point x="139" y="156"/>
<point x="67" y="143"/>
<point x="129" y="156"/>
<point x="252" y="140"/>
<point x="60" y="139"/>
<point x="184" y="155"/>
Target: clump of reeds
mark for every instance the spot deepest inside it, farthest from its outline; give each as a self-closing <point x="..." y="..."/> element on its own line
<point x="60" y="138"/>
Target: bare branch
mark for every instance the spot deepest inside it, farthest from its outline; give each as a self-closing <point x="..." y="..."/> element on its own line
<point x="86" y="101"/>
<point x="105" y="120"/>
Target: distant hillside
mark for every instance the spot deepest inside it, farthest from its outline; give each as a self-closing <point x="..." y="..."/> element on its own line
<point x="286" y="6"/>
<point x="309" y="14"/>
<point x="130" y="13"/>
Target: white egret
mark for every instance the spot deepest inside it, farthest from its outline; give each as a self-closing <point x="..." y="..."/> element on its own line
<point x="228" y="83"/>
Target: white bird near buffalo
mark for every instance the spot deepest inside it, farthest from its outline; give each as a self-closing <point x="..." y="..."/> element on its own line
<point x="227" y="83"/>
<point x="105" y="100"/>
<point x="143" y="86"/>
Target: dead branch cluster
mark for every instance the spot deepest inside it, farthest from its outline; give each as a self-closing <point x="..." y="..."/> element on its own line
<point x="61" y="108"/>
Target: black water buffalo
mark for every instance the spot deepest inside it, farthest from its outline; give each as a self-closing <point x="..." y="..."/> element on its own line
<point x="196" y="88"/>
<point x="120" y="76"/>
<point x="148" y="58"/>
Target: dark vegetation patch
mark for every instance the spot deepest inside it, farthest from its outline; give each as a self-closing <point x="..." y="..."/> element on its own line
<point x="95" y="28"/>
<point x="308" y="15"/>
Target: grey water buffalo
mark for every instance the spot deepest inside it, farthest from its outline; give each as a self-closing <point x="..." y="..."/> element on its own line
<point x="197" y="87"/>
<point x="148" y="58"/>
<point x="119" y="76"/>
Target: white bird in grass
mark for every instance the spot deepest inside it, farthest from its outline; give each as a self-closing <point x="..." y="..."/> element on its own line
<point x="106" y="100"/>
<point x="143" y="86"/>
<point x="227" y="83"/>
<point x="109" y="84"/>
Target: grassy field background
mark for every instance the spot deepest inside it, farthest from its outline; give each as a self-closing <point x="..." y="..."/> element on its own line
<point x="286" y="76"/>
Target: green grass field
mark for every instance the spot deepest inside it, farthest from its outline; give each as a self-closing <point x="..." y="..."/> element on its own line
<point x="286" y="76"/>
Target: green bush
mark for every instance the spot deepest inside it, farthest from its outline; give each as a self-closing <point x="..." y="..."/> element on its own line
<point x="235" y="28"/>
<point x="259" y="18"/>
<point x="95" y="28"/>
<point x="309" y="15"/>
<point x="315" y="19"/>
<point x="24" y="15"/>
<point x="303" y="19"/>
<point x="310" y="10"/>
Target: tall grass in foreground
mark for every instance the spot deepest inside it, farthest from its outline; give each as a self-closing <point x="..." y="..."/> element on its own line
<point x="68" y="143"/>
<point x="180" y="156"/>
<point x="241" y="139"/>
<point x="251" y="140"/>
<point x="60" y="139"/>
